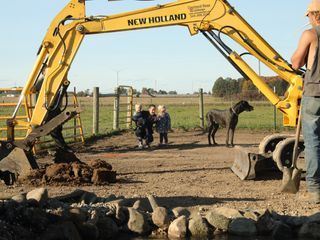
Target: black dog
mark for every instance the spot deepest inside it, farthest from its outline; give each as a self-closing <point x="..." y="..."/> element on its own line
<point x="226" y="118"/>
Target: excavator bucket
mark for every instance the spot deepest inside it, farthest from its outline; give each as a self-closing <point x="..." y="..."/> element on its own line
<point x="16" y="158"/>
<point x="246" y="165"/>
<point x="15" y="162"/>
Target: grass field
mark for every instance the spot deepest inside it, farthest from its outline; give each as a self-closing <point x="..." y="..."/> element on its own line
<point x="184" y="112"/>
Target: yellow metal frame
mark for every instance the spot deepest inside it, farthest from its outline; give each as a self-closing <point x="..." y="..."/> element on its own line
<point x="69" y="27"/>
<point x="20" y="120"/>
<point x="77" y="125"/>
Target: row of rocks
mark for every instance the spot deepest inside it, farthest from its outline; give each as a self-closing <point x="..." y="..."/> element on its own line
<point x="83" y="215"/>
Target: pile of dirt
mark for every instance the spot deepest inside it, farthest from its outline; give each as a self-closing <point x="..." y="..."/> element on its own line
<point x="95" y="172"/>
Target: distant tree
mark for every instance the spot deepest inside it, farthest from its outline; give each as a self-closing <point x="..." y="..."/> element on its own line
<point x="172" y="93"/>
<point x="80" y="94"/>
<point x="225" y="87"/>
<point x="83" y="93"/>
<point x="123" y="91"/>
<point x="87" y="92"/>
<point x="152" y="91"/>
<point x="279" y="85"/>
<point x="144" y="91"/>
<point x="135" y="91"/>
<point x="162" y="92"/>
<point x="148" y="91"/>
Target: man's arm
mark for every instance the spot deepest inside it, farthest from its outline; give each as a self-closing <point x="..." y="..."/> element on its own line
<point x="300" y="56"/>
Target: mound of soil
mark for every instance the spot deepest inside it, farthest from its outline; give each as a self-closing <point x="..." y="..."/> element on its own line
<point x="95" y="172"/>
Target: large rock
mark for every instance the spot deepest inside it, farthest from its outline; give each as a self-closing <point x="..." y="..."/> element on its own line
<point x="137" y="205"/>
<point x="265" y="223"/>
<point x="228" y="212"/>
<point x="88" y="231"/>
<point x="251" y="215"/>
<point x="296" y="221"/>
<point x="65" y="230"/>
<point x="310" y="230"/>
<point x="181" y="211"/>
<point x="314" y="218"/>
<point x="20" y="198"/>
<point x="36" y="218"/>
<point x="88" y="198"/>
<point x="161" y="218"/>
<point x="243" y="227"/>
<point x="138" y="222"/>
<point x="281" y="231"/>
<point x="77" y="215"/>
<point x="72" y="197"/>
<point x="218" y="221"/>
<point x="178" y="228"/>
<point x="39" y="194"/>
<point x="198" y="227"/>
<point x="107" y="228"/>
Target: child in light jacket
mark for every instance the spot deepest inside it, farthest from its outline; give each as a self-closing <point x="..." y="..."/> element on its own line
<point x="163" y="124"/>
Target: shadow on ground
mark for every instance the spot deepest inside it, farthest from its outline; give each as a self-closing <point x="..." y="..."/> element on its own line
<point x="188" y="201"/>
<point x="171" y="146"/>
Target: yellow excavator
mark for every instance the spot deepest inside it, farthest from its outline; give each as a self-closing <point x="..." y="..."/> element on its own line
<point x="211" y="18"/>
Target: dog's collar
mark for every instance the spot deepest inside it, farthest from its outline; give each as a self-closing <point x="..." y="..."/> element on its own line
<point x="234" y="111"/>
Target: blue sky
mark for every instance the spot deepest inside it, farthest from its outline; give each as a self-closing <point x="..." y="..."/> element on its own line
<point x="162" y="58"/>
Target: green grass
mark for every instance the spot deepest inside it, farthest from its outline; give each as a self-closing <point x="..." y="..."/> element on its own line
<point x="184" y="112"/>
<point x="186" y="116"/>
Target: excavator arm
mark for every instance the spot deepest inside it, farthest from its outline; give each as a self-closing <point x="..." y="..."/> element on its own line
<point x="212" y="18"/>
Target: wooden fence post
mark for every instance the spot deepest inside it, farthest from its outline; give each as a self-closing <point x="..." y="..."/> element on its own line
<point x="129" y="109"/>
<point x="95" y="111"/>
<point x="201" y="109"/>
<point x="75" y="118"/>
<point x="116" y="109"/>
<point x="274" y="112"/>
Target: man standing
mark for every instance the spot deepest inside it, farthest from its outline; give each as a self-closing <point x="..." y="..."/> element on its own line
<point x="308" y="53"/>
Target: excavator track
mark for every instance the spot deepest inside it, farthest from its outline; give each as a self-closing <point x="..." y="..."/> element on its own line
<point x="269" y="143"/>
<point x="282" y="154"/>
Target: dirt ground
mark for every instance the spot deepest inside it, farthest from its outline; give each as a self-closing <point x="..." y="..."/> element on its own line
<point x="187" y="173"/>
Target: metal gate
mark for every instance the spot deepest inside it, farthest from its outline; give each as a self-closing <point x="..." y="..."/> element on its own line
<point x="8" y="101"/>
<point x="123" y="107"/>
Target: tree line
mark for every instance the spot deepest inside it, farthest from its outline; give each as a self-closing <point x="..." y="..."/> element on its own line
<point x="222" y="87"/>
<point x="244" y="88"/>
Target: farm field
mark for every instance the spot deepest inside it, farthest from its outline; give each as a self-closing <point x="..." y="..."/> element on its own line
<point x="184" y="112"/>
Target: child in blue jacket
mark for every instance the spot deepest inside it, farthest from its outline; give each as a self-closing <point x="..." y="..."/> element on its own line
<point x="163" y="124"/>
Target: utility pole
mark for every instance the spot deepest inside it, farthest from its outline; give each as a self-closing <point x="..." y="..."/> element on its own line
<point x="118" y="71"/>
